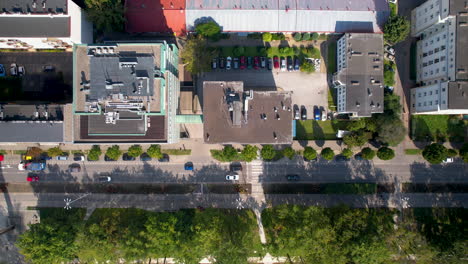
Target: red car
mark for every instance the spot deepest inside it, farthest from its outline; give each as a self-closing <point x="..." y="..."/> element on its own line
<point x="32" y="178"/>
<point x="256" y="62"/>
<point x="243" y="62"/>
<point x="276" y="62"/>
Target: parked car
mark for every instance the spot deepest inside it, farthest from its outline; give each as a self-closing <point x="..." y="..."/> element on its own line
<point x="127" y="157"/>
<point x="324" y="115"/>
<point x="297" y="115"/>
<point x="46" y="157"/>
<point x="317" y="114"/>
<point x="275" y="62"/>
<point x="292" y="177"/>
<point x="303" y="113"/>
<point x="103" y="179"/>
<point x="243" y="62"/>
<point x="262" y="62"/>
<point x="283" y="64"/>
<point x="358" y="157"/>
<point x="165" y="158"/>
<point x="447" y="160"/>
<point x="75" y="167"/>
<point x="106" y="158"/>
<point x="214" y="63"/>
<point x="232" y="177"/>
<point x="21" y="71"/>
<point x="145" y="157"/>
<point x="49" y="68"/>
<point x="236" y="166"/>
<point x="32" y="178"/>
<point x="270" y="64"/>
<point x="235" y="63"/>
<point x="222" y="63"/>
<point x="290" y="63"/>
<point x="341" y="158"/>
<point x="188" y="166"/>
<point x="78" y="157"/>
<point x="256" y="62"/>
<point x="296" y="64"/>
<point x="228" y="63"/>
<point x="62" y="157"/>
<point x="249" y="62"/>
<point x="13" y="69"/>
<point x="2" y="71"/>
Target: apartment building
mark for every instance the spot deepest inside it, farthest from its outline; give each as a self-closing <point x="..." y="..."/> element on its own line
<point x="359" y="77"/>
<point x="442" y="30"/>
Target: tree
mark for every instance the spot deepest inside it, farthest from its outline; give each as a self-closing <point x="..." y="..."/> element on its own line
<point x="389" y="73"/>
<point x="135" y="151"/>
<point x="268" y="152"/>
<point x="385" y="153"/>
<point x="390" y="130"/>
<point x="208" y="29"/>
<point x="197" y="55"/>
<point x="396" y="29"/>
<point x="348" y="153"/>
<point x="464" y="152"/>
<point x="452" y="153"/>
<point x="356" y="125"/>
<point x="392" y="105"/>
<point x="289" y="153"/>
<point x="94" y="153"/>
<point x="154" y="151"/>
<point x="297" y="37"/>
<point x="106" y="15"/>
<point x="435" y="153"/>
<point x="327" y="153"/>
<point x="34" y="152"/>
<point x="307" y="67"/>
<point x="310" y="153"/>
<point x="315" y="36"/>
<point x="249" y="153"/>
<point x="267" y="37"/>
<point x="368" y="153"/>
<point x="114" y="152"/>
<point x="55" y="151"/>
<point x="356" y="139"/>
<point x="229" y="153"/>
<point x="306" y="36"/>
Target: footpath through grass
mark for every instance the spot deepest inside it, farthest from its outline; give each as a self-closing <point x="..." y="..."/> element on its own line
<point x="438" y="127"/>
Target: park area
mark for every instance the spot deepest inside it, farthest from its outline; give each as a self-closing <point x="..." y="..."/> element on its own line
<point x="318" y="130"/>
<point x="438" y="128"/>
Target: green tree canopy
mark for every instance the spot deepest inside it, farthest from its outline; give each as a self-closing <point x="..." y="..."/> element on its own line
<point x="267" y="36"/>
<point x="94" y="153"/>
<point x="197" y="55"/>
<point x="289" y="153"/>
<point x="327" y="153"/>
<point x="307" y="67"/>
<point x="392" y="105"/>
<point x="385" y="153"/>
<point x="114" y="152"/>
<point x="249" y="153"/>
<point x="356" y="139"/>
<point x="315" y="36"/>
<point x="396" y="29"/>
<point x="208" y="29"/>
<point x="368" y="153"/>
<point x="55" y="151"/>
<point x="268" y="152"/>
<point x="452" y="153"/>
<point x="297" y="36"/>
<point x="348" y="153"/>
<point x="135" y="151"/>
<point x="464" y="152"/>
<point x="154" y="151"/>
<point x="306" y="36"/>
<point x="435" y="153"/>
<point x="310" y="153"/>
<point x="390" y="130"/>
<point x="106" y="15"/>
<point x="356" y="125"/>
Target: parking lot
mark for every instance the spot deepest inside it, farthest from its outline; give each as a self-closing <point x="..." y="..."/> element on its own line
<point x="48" y="75"/>
<point x="309" y="90"/>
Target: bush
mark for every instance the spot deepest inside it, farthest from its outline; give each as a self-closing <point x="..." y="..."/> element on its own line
<point x="435" y="153"/>
<point x="228" y="153"/>
<point x="314" y="36"/>
<point x="297" y="37"/>
<point x="368" y="153"/>
<point x="278" y="36"/>
<point x="385" y="153"/>
<point x="289" y="153"/>
<point x="307" y="67"/>
<point x="310" y="153"/>
<point x="238" y="51"/>
<point x="327" y="153"/>
<point x="306" y="36"/>
<point x="267" y="37"/>
<point x="348" y="153"/>
<point x="114" y="152"/>
<point x="94" y="153"/>
<point x="53" y="152"/>
<point x="452" y="153"/>
<point x="249" y="153"/>
<point x="268" y="152"/>
<point x="135" y="151"/>
<point x="154" y="151"/>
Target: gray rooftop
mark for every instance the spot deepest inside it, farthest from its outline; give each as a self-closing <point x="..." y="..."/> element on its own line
<point x="13" y="112"/>
<point x="97" y="126"/>
<point x="129" y="74"/>
<point x="458" y="95"/>
<point x="363" y="75"/>
<point x="30" y="27"/>
<point x="461" y="69"/>
<point x="31" y="131"/>
<point x="33" y="6"/>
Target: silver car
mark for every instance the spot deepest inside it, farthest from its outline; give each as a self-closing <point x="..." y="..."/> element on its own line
<point x="228" y="63"/>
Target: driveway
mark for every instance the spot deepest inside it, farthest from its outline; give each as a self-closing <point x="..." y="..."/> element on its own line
<point x="307" y="89"/>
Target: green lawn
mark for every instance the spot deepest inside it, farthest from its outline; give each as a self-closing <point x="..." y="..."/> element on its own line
<point x="331" y="57"/>
<point x="413" y="151"/>
<point x="438" y="127"/>
<point x="318" y="130"/>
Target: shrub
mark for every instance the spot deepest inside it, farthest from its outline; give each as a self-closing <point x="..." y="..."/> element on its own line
<point x="310" y="153"/>
<point x="452" y="153"/>
<point x="267" y="37"/>
<point x="368" y="153"/>
<point x="53" y="152"/>
<point x="268" y="152"/>
<point x="327" y="153"/>
<point x="297" y="37"/>
<point x="114" y="152"/>
<point x="228" y="153"/>
<point x="154" y="151"/>
<point x="238" y="51"/>
<point x="289" y="153"/>
<point x="135" y="151"/>
<point x="435" y="153"/>
<point x="307" y="67"/>
<point x="249" y="153"/>
<point x="348" y="153"/>
<point x="314" y="36"/>
<point x="306" y="36"/>
<point x="385" y="153"/>
<point x="278" y="36"/>
<point x="94" y="153"/>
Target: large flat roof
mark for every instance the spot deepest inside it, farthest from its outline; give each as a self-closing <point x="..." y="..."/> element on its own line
<point x="458" y="95"/>
<point x="461" y="70"/>
<point x="34" y="27"/>
<point x="224" y="126"/>
<point x="31" y="131"/>
<point x="27" y="6"/>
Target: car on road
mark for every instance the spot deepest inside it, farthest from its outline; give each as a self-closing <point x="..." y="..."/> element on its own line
<point x="317" y="114"/>
<point x="263" y="62"/>
<point x="188" y="166"/>
<point x="228" y="63"/>
<point x="127" y="157"/>
<point x="165" y="158"/>
<point x="448" y="160"/>
<point x="292" y="177"/>
<point x="256" y="62"/>
<point x="243" y="62"/>
<point x="235" y="63"/>
<point x="32" y="178"/>
<point x="222" y="63"/>
<point x="21" y="71"/>
<point x="75" y="167"/>
<point x="296" y="64"/>
<point x="303" y="113"/>
<point x="341" y="158"/>
<point x="78" y="157"/>
<point x="13" y="69"/>
<point x="270" y="64"/>
<point x="106" y="158"/>
<point x="283" y="64"/>
<point x="214" y="63"/>
<point x="232" y="177"/>
<point x="249" y="62"/>
<point x="22" y="166"/>
<point x="103" y="179"/>
<point x="275" y="62"/>
<point x="290" y="63"/>
<point x="145" y="157"/>
<point x="62" y="157"/>
<point x="2" y="71"/>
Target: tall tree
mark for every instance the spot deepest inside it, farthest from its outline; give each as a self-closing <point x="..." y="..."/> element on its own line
<point x="396" y="29"/>
<point x="197" y="56"/>
<point x="106" y="15"/>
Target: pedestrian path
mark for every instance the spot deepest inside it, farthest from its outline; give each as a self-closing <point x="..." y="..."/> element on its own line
<point x="256" y="170"/>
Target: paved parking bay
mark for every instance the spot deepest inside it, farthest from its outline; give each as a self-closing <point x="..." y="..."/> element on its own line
<point x="308" y="89"/>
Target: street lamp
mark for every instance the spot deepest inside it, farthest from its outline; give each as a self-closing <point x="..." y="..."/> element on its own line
<point x="69" y="201"/>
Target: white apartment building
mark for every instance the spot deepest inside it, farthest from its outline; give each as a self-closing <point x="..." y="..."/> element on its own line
<point x="442" y="57"/>
<point x="43" y="24"/>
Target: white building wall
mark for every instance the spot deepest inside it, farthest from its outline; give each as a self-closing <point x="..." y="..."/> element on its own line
<point x="341" y="48"/>
<point x="81" y="30"/>
<point x="428" y="14"/>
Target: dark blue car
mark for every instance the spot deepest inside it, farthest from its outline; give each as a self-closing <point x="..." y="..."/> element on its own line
<point x="188" y="166"/>
<point x="317" y="114"/>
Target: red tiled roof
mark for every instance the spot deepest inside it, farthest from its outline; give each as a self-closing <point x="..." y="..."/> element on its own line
<point x="163" y="16"/>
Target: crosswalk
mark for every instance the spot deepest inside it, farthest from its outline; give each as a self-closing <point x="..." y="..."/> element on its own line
<point x="256" y="170"/>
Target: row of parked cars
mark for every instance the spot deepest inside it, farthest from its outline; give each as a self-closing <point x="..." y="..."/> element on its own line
<point x="125" y="157"/>
<point x="15" y="70"/>
<point x="284" y="63"/>
<point x="319" y="113"/>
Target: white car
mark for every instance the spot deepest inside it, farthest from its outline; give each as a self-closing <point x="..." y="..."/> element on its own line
<point x="283" y="64"/>
<point x="447" y="160"/>
<point x="232" y="177"/>
<point x="14" y="69"/>
<point x="21" y="166"/>
<point x="228" y="63"/>
<point x="324" y="115"/>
